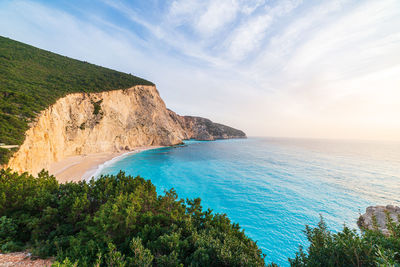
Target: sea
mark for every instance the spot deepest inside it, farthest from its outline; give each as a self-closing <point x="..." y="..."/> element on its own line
<point x="273" y="187"/>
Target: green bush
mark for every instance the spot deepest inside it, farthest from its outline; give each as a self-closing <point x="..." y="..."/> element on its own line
<point x="97" y="107"/>
<point x="117" y="221"/>
<point x="349" y="248"/>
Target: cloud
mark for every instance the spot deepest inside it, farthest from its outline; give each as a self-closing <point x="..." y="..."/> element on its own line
<point x="183" y="10"/>
<point x="217" y="15"/>
<point x="135" y="17"/>
<point x="164" y="29"/>
<point x="249" y="35"/>
<point x="208" y="17"/>
<point x="249" y="6"/>
<point x="348" y="41"/>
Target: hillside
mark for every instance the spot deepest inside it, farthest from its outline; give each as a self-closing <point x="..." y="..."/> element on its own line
<point x="31" y="79"/>
<point x="53" y="107"/>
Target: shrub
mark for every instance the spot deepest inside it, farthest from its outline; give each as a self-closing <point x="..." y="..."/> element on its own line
<point x="349" y="248"/>
<point x="117" y="221"/>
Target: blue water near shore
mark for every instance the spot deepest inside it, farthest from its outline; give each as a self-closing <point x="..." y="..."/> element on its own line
<point x="274" y="187"/>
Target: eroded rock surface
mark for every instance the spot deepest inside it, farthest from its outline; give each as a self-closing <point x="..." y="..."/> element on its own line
<point x="380" y="214"/>
<point x="111" y="121"/>
<point x="204" y="129"/>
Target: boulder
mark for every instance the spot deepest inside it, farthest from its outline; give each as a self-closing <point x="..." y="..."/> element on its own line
<point x="376" y="217"/>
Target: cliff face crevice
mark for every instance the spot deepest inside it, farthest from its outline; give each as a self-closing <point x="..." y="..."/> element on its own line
<point x="111" y="121"/>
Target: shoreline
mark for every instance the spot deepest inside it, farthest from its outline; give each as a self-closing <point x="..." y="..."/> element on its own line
<point x="84" y="167"/>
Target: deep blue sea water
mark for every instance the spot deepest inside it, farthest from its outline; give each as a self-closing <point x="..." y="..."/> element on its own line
<point x="274" y="187"/>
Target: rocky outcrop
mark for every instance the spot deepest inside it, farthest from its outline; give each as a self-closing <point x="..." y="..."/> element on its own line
<point x="110" y="121"/>
<point x="204" y="129"/>
<point x="376" y="218"/>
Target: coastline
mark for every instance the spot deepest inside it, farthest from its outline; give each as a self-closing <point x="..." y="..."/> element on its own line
<point x="84" y="167"/>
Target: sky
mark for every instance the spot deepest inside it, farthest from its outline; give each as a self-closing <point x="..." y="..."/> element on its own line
<point x="288" y="68"/>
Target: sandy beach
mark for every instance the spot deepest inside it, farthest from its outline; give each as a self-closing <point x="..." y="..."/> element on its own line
<point x="84" y="167"/>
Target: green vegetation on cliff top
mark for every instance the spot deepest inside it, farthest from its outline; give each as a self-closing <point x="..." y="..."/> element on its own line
<point x="31" y="79"/>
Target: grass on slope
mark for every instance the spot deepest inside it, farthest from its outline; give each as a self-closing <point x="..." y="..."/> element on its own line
<point x="32" y="79"/>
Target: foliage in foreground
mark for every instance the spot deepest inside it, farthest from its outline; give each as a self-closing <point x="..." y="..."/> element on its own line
<point x="116" y="221"/>
<point x="349" y="248"/>
<point x="32" y="79"/>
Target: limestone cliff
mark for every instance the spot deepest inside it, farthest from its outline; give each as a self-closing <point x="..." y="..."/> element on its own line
<point x="110" y="121"/>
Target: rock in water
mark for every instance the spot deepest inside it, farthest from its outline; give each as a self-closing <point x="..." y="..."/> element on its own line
<point x="380" y="215"/>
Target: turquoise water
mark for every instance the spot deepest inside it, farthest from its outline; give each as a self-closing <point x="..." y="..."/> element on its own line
<point x="273" y="187"/>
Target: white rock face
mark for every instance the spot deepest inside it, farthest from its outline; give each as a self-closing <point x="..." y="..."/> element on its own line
<point x="110" y="121"/>
<point x="380" y="213"/>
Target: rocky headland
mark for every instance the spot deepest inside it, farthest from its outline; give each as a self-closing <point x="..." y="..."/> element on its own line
<point x="203" y="129"/>
<point x="111" y="121"/>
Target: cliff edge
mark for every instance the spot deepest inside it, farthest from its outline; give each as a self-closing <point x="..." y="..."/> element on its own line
<point x="53" y="107"/>
<point x="111" y="121"/>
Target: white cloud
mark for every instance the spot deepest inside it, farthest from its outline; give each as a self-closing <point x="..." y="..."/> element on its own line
<point x="249" y="6"/>
<point x="280" y="47"/>
<point x="208" y="17"/>
<point x="248" y="37"/>
<point x="342" y="46"/>
<point x="217" y="15"/>
<point x="133" y="16"/>
<point x="185" y="9"/>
